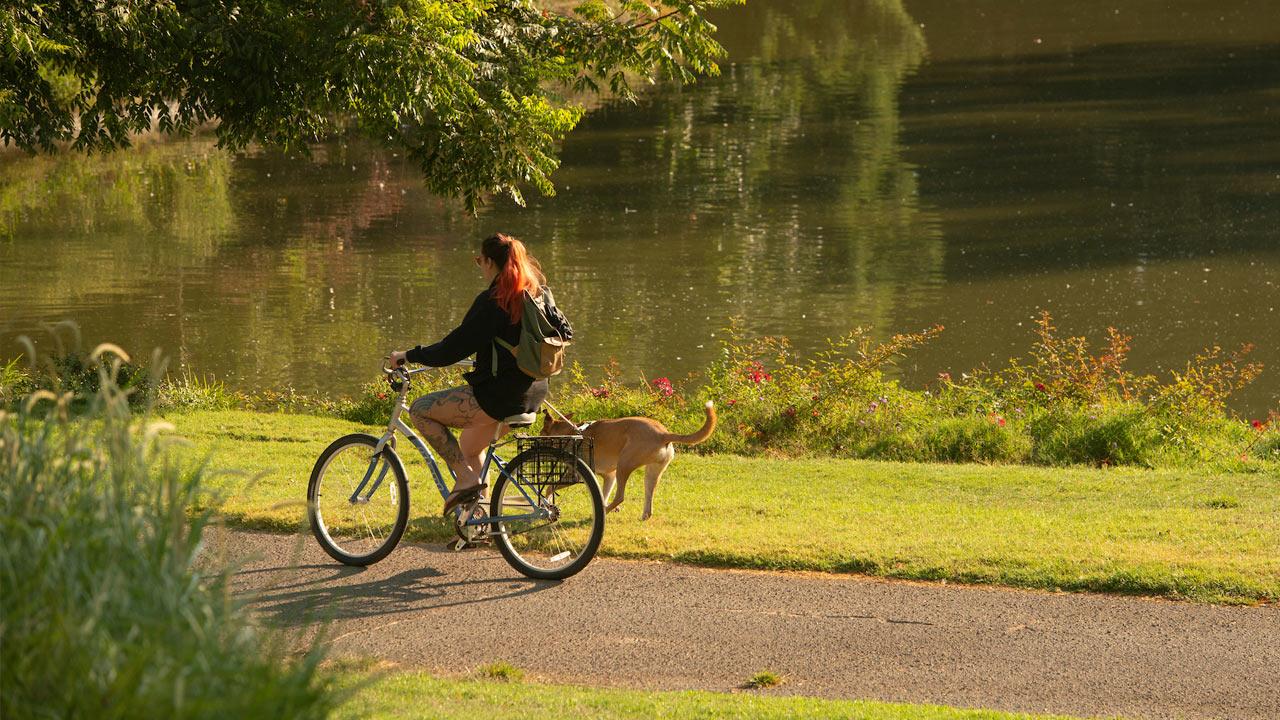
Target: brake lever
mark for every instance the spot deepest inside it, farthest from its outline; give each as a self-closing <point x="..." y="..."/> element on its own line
<point x="395" y="376"/>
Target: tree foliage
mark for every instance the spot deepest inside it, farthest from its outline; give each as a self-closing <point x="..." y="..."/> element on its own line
<point x="477" y="92"/>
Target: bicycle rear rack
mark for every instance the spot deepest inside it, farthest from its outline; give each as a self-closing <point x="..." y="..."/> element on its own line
<point x="547" y="470"/>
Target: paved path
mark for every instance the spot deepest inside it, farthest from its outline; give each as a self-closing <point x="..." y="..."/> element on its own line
<point x="654" y="625"/>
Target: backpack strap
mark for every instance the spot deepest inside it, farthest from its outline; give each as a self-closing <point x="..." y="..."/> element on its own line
<point x="496" y="342"/>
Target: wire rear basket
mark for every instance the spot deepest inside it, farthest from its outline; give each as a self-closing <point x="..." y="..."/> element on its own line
<point x="549" y="470"/>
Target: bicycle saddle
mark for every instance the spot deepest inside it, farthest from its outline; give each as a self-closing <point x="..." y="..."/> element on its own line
<point x="522" y="420"/>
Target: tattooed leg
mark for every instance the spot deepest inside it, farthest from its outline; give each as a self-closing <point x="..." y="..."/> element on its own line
<point x="435" y="413"/>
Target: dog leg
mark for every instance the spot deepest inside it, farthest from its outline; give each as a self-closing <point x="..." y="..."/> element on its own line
<point x="653" y="473"/>
<point x="610" y="478"/>
<point x="623" y="472"/>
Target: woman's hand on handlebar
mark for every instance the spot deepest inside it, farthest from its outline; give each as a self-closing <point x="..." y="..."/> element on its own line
<point x="396" y="358"/>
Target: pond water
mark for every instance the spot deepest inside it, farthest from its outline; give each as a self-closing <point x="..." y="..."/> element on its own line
<point x="862" y="162"/>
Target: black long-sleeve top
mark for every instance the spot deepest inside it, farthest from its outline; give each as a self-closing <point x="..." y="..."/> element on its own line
<point x="507" y="392"/>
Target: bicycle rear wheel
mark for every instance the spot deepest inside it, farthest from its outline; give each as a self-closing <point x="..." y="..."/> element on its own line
<point x="548" y="513"/>
<point x="358" y="502"/>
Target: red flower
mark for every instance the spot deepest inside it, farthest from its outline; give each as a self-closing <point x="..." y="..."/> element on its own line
<point x="382" y="396"/>
<point x="1040" y="387"/>
<point x="790" y="411"/>
<point x="757" y="374"/>
<point x="730" y="402"/>
<point x="1258" y="425"/>
<point x="1001" y="420"/>
<point x="663" y="386"/>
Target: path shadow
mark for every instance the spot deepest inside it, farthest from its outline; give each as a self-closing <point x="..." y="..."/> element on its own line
<point x="312" y="593"/>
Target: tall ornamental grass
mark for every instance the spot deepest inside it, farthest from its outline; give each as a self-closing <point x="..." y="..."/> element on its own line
<point x="106" y="611"/>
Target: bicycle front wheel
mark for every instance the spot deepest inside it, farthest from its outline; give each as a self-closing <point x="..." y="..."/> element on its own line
<point x="358" y="502"/>
<point x="548" y="514"/>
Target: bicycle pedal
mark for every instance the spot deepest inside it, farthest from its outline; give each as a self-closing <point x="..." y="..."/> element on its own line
<point x="459" y="545"/>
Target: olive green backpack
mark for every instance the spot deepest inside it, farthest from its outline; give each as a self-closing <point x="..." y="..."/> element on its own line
<point x="544" y="335"/>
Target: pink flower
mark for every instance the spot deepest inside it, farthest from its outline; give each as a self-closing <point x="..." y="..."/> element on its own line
<point x="663" y="386"/>
<point x="600" y="392"/>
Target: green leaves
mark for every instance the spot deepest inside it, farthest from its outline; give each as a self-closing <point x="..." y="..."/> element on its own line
<point x="474" y="90"/>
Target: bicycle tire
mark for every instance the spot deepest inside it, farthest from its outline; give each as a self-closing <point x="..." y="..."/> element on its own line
<point x="524" y="559"/>
<point x="396" y="497"/>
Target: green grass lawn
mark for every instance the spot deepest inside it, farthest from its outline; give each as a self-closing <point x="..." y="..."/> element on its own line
<point x="1179" y="534"/>
<point x="419" y="695"/>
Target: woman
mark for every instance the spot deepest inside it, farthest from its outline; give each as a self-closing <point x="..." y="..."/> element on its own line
<point x="478" y="407"/>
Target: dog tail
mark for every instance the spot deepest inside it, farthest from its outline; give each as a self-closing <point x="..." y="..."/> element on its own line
<point x="703" y="432"/>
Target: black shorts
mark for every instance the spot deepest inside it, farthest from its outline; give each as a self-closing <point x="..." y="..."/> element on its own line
<point x="508" y="394"/>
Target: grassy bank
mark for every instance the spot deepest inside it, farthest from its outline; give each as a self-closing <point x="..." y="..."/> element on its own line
<point x="419" y="695"/>
<point x="1170" y="533"/>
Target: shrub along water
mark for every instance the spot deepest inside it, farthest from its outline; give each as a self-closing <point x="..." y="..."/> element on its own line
<point x="107" y="613"/>
<point x="1062" y="404"/>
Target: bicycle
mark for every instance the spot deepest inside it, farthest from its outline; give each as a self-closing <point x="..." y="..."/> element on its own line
<point x="545" y="512"/>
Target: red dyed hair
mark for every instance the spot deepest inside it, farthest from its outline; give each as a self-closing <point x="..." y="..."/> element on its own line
<point x="518" y="272"/>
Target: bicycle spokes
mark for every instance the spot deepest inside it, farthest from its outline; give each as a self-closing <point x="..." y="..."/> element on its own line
<point x="357" y="501"/>
<point x="548" y="513"/>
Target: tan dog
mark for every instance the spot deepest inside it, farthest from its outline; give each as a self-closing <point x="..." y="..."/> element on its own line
<point x="624" y="444"/>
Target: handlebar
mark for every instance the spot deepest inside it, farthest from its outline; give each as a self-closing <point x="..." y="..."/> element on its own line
<point x="404" y="373"/>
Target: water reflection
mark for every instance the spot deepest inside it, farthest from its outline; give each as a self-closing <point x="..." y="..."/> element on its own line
<point x="1132" y="186"/>
<point x="777" y="191"/>
<point x="73" y="228"/>
<point x="675" y="215"/>
<point x="1116" y="169"/>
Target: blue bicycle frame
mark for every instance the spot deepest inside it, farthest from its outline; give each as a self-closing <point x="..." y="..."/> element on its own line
<point x="490" y="459"/>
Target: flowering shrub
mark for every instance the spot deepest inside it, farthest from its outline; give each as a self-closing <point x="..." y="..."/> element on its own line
<point x="1062" y="403"/>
